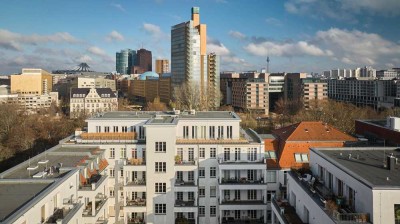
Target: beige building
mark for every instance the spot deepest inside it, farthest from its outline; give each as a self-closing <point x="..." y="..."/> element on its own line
<point x="96" y="82"/>
<point x="89" y="101"/>
<point x="32" y="81"/>
<point x="162" y="66"/>
<point x="148" y="86"/>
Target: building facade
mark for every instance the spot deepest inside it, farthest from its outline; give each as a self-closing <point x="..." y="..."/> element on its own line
<point x="124" y="60"/>
<point x="96" y="82"/>
<point x="89" y="101"/>
<point x="150" y="85"/>
<point x="213" y="78"/>
<point x="32" y="81"/>
<point x="189" y="52"/>
<point x="162" y="66"/>
<point x="144" y="60"/>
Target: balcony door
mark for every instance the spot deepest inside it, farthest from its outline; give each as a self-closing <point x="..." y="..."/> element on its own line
<point x="237" y="214"/>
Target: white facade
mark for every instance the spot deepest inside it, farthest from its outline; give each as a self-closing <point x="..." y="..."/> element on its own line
<point x="90" y="101"/>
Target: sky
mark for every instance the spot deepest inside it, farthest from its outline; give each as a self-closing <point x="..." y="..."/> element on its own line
<point x="297" y="35"/>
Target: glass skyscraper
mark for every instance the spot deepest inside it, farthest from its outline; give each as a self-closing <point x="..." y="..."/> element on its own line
<point x="125" y="59"/>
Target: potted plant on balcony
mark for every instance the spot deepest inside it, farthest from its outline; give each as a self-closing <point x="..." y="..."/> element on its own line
<point x="178" y="159"/>
<point x="331" y="206"/>
<point x="340" y="200"/>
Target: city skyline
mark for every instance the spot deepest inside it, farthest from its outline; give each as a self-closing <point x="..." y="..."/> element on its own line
<point x="297" y="35"/>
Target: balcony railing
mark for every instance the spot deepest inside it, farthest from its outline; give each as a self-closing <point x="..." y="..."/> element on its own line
<point x="99" y="202"/>
<point x="181" y="203"/>
<point x="95" y="181"/>
<point x="232" y="220"/>
<point x="288" y="213"/>
<point x="136" y="162"/>
<point x="138" y="202"/>
<point x="136" y="221"/>
<point x="184" y="183"/>
<point x="351" y="217"/>
<point x="65" y="214"/>
<point x="241" y="202"/>
<point x="137" y="182"/>
<point x="241" y="181"/>
<point x="187" y="163"/>
<point x="223" y="161"/>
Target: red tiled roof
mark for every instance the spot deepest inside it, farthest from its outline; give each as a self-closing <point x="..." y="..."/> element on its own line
<point x="82" y="179"/>
<point x="311" y="131"/>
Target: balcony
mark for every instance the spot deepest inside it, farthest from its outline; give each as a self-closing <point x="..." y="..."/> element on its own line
<point x="181" y="203"/>
<point x="232" y="220"/>
<point x="93" y="183"/>
<point x="99" y="202"/>
<point x="136" y="221"/>
<point x="222" y="161"/>
<point x="242" y="202"/>
<point x="185" y="163"/>
<point x="111" y="137"/>
<point x="211" y="141"/>
<point x="184" y="183"/>
<point x="64" y="214"/>
<point x="139" y="182"/>
<point x="138" y="202"/>
<point x="136" y="162"/>
<point x="288" y="213"/>
<point x="185" y="220"/>
<point x="242" y="180"/>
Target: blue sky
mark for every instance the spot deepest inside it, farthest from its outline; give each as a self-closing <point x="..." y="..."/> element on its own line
<point x="297" y="35"/>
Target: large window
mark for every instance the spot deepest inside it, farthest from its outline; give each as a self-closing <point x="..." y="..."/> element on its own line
<point x="213" y="153"/>
<point x="212" y="132"/>
<point x="202" y="191"/>
<point x="202" y="172"/>
<point x="161" y="188"/>
<point x="185" y="131"/>
<point x="251" y="154"/>
<point x="271" y="176"/>
<point x="202" y="153"/>
<point x="202" y="211"/>
<point x="161" y="167"/>
<point x="237" y="154"/>
<point x="112" y="153"/>
<point x="123" y="152"/>
<point x="161" y="146"/>
<point x="191" y="154"/>
<point x="160" y="209"/>
<point x="213" y="191"/>
<point x="252" y="194"/>
<point x="213" y="211"/>
<point x="227" y="154"/>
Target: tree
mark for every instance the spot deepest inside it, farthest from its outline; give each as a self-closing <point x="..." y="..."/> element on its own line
<point x="156" y="105"/>
<point x="189" y="96"/>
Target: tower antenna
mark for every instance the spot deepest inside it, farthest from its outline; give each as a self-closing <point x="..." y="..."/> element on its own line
<point x="267" y="64"/>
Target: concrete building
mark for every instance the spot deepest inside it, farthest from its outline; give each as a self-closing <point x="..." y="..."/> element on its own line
<point x="150" y="85"/>
<point x="292" y="88"/>
<point x="386" y="132"/>
<point x="144" y="60"/>
<point x="96" y="82"/>
<point x="358" y="185"/>
<point x="189" y="52"/>
<point x="203" y="168"/>
<point x="313" y="90"/>
<point x="32" y="81"/>
<point x="213" y="85"/>
<point x="124" y="60"/>
<point x="368" y="72"/>
<point x="162" y="66"/>
<point x="89" y="101"/>
<point x="373" y="93"/>
<point x="387" y="74"/>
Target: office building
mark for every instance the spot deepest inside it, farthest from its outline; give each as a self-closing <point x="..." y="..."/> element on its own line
<point x="386" y="132"/>
<point x="162" y="66"/>
<point x="150" y="85"/>
<point x="189" y="52"/>
<point x="96" y="82"/>
<point x="31" y="81"/>
<point x="357" y="185"/>
<point x="125" y="59"/>
<point x="213" y="78"/>
<point x="387" y="74"/>
<point x="373" y="93"/>
<point x="144" y="167"/>
<point x="89" y="101"/>
<point x="144" y="60"/>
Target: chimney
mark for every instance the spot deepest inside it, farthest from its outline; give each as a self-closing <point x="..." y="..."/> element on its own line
<point x="390" y="162"/>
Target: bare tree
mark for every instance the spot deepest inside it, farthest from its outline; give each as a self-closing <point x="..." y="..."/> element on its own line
<point x="156" y="105"/>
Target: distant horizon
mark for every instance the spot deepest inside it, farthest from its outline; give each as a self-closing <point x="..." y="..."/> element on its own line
<point x="297" y="35"/>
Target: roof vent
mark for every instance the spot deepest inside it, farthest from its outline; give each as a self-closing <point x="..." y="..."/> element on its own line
<point x="306" y="130"/>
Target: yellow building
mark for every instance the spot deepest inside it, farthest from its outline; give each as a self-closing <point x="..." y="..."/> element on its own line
<point x="162" y="66"/>
<point x="32" y="81"/>
<point x="149" y="86"/>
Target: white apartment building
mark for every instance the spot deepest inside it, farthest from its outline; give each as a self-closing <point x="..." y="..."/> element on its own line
<point x="359" y="185"/>
<point x="96" y="82"/>
<point x="148" y="167"/>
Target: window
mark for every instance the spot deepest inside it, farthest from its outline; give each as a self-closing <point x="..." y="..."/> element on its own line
<point x="161" y="146"/>
<point x="251" y="174"/>
<point x="271" y="176"/>
<point x="251" y="194"/>
<point x="213" y="172"/>
<point x="115" y="128"/>
<point x="134" y="153"/>
<point x="202" y="152"/>
<point x="237" y="154"/>
<point x="191" y="176"/>
<point x="213" y="153"/>
<point x="98" y="129"/>
<point x="229" y="131"/>
<point x="212" y="132"/>
<point x="220" y="132"/>
<point x="202" y="172"/>
<point x="270" y="194"/>
<point x="123" y="152"/>
<point x="194" y="132"/>
<point x="213" y="211"/>
<point x="202" y="191"/>
<point x="112" y="153"/>
<point x="185" y="131"/>
<point x="106" y="129"/>
<point x="111" y="193"/>
<point x="202" y="211"/>
<point x="252" y="214"/>
<point x="191" y="154"/>
<point x="227" y="154"/>
<point x="112" y="172"/>
<point x="161" y="167"/>
<point x="122" y="173"/>
<point x="160" y="209"/>
<point x="124" y="129"/>
<point x="301" y="157"/>
<point x="213" y="191"/>
<point x="161" y="188"/>
<point x="270" y="155"/>
<point x="251" y="154"/>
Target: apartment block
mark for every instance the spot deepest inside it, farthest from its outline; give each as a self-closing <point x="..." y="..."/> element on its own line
<point x="137" y="167"/>
<point x="88" y="101"/>
<point x="96" y="82"/>
<point x="150" y="85"/>
<point x="313" y="90"/>
<point x="373" y="93"/>
<point x="358" y="185"/>
<point x="162" y="66"/>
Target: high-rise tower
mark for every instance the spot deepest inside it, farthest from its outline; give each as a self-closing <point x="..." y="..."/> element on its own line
<point x="144" y="60"/>
<point x="189" y="52"/>
<point x="124" y="61"/>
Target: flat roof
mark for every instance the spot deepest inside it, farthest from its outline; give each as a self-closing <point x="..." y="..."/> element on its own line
<point x="14" y="195"/>
<point x="62" y="157"/>
<point x="367" y="164"/>
<point x="121" y="115"/>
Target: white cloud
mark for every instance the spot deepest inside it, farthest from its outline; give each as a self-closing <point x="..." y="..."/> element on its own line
<point x="114" y="36"/>
<point x="273" y="21"/>
<point x="155" y="31"/>
<point x="229" y="61"/>
<point x="96" y="51"/>
<point x="15" y="41"/>
<point x="118" y="6"/>
<point x="285" y="49"/>
<point x="237" y="35"/>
